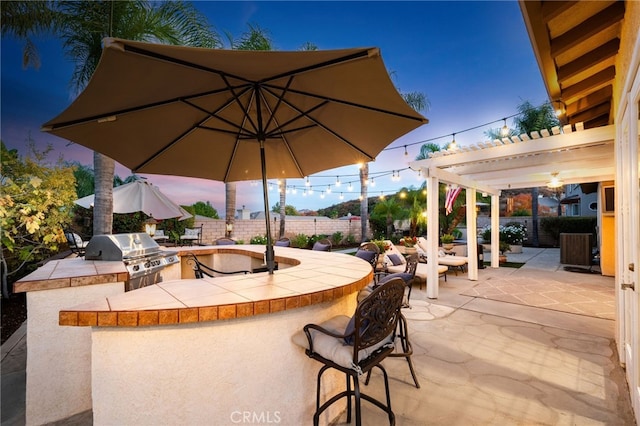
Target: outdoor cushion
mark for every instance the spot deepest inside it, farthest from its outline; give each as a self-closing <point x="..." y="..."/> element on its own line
<point x="395" y="259"/>
<point x="188" y="232"/>
<point x="405" y="277"/>
<point x="332" y="348"/>
<point x="366" y="255"/>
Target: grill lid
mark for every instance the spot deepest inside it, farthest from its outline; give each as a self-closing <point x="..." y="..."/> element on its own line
<point x="120" y="246"/>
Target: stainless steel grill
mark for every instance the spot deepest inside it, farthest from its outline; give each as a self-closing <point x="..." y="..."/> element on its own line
<point x="141" y="255"/>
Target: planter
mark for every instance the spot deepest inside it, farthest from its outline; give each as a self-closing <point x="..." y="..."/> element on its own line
<point x="502" y="258"/>
<point x="447" y="246"/>
<point x="515" y="248"/>
<point x="410" y="250"/>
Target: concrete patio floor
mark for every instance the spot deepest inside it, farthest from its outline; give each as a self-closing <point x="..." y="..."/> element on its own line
<point x="479" y="361"/>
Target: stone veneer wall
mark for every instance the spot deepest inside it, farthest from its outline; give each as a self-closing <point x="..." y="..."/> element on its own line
<point x="245" y="229"/>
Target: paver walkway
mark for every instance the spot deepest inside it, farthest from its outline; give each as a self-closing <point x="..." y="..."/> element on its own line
<point x="479" y="361"/>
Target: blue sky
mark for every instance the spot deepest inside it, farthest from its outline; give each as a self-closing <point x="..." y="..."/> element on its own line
<point x="473" y="60"/>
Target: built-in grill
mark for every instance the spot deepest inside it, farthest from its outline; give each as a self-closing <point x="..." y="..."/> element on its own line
<point x="141" y="255"/>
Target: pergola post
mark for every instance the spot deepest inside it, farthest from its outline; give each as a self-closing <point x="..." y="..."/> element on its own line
<point x="433" y="229"/>
<point x="472" y="235"/>
<point x="495" y="231"/>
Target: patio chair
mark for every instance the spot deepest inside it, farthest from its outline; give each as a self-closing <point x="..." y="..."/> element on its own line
<point x="408" y="275"/>
<point x="201" y="270"/>
<point x="322" y="245"/>
<point x="355" y="346"/>
<point x="76" y="243"/>
<point x="370" y="256"/>
<point x="283" y="242"/>
<point x="159" y="236"/>
<point x="191" y="236"/>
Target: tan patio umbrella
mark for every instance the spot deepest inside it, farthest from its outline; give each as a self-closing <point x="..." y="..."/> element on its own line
<point x="141" y="196"/>
<point x="232" y="115"/>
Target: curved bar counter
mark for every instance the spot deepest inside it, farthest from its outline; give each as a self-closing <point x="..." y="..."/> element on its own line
<point x="216" y="350"/>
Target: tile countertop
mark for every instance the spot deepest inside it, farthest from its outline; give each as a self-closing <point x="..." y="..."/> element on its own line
<point x="317" y="277"/>
<point x="74" y="272"/>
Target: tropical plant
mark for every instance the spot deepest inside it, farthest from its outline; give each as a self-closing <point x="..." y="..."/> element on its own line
<point x="35" y="205"/>
<point x="81" y="26"/>
<point x="447" y="238"/>
<point x="205" y="209"/>
<point x="389" y="209"/>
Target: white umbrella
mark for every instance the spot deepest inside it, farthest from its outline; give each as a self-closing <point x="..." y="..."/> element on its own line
<point x="141" y="196"/>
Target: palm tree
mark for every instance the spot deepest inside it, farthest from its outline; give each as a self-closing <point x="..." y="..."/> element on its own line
<point x="416" y="100"/>
<point x="427" y="149"/>
<point x="81" y="26"/>
<point x="390" y="209"/>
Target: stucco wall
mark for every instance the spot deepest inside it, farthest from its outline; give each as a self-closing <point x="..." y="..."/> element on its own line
<point x="212" y="373"/>
<point x="59" y="358"/>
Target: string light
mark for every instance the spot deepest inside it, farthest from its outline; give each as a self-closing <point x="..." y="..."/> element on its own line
<point x="505" y="129"/>
<point x="337" y="181"/>
<point x="307" y="183"/>
<point x="328" y="189"/>
<point x="406" y="154"/>
<point x="341" y="196"/>
<point x="453" y="144"/>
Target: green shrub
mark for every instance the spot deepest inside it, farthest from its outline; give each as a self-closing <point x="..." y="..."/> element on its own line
<point x="336" y="238"/>
<point x="258" y="239"/>
<point x="351" y="239"/>
<point x="554" y="226"/>
<point x="300" y="241"/>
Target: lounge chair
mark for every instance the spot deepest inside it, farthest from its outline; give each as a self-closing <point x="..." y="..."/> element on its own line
<point x="450" y="261"/>
<point x="396" y="263"/>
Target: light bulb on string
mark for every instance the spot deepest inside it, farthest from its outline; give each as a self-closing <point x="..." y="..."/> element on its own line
<point x="505" y="129"/>
<point x="453" y="144"/>
<point x="322" y="194"/>
<point x="328" y="189"/>
<point x="372" y="183"/>
<point x="406" y="153"/>
<point x="381" y="195"/>
<point x="337" y="181"/>
<point x="341" y="196"/>
<point x="307" y="183"/>
<point x="304" y="193"/>
<point x="350" y="187"/>
<point x="294" y="190"/>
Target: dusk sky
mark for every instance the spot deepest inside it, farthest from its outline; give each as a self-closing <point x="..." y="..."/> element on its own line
<point x="473" y="61"/>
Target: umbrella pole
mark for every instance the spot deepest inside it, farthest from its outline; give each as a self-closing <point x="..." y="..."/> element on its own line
<point x="269" y="254"/>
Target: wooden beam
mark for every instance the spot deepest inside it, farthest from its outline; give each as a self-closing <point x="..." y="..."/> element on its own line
<point x="590" y="84"/>
<point x="553" y="9"/>
<point x="610" y="16"/>
<point x="592" y="113"/>
<point x="588" y="60"/>
<point x="594" y="99"/>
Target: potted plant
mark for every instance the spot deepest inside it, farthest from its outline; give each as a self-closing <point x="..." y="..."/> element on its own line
<point x="504" y="247"/>
<point x="409" y="244"/>
<point x="447" y="241"/>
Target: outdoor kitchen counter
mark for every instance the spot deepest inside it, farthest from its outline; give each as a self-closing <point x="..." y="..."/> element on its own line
<point x="306" y="278"/>
<point x="73" y="272"/>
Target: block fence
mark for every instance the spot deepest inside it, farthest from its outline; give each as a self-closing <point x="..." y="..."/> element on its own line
<point x="245" y="229"/>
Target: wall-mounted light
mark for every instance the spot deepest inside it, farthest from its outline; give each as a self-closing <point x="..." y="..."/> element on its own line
<point x="559" y="107"/>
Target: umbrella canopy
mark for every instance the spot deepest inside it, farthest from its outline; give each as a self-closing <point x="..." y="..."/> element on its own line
<point x="140" y="196"/>
<point x="236" y="115"/>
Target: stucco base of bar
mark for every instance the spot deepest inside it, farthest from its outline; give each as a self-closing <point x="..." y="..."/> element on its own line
<point x="59" y="358"/>
<point x="221" y="372"/>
